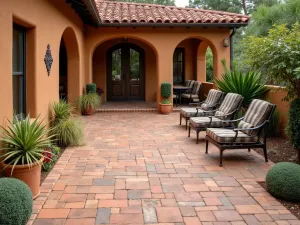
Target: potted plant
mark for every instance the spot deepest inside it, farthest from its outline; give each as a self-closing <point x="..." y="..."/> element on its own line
<point x="22" y="153"/>
<point x="165" y="106"/>
<point x="88" y="103"/>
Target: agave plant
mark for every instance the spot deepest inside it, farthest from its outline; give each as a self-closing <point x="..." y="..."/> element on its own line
<point x="24" y="142"/>
<point x="250" y="85"/>
<point x="61" y="110"/>
<point x="89" y="101"/>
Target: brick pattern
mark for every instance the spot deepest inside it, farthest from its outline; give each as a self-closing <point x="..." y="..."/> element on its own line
<point x="141" y="168"/>
<point x="124" y="12"/>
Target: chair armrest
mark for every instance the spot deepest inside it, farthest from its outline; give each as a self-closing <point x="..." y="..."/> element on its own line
<point x="198" y="103"/>
<point x="232" y="121"/>
<point x="252" y="128"/>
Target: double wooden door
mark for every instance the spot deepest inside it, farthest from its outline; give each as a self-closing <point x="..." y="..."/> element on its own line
<point x="125" y="73"/>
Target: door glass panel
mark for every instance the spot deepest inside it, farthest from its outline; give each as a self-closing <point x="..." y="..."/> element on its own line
<point x="134" y="65"/>
<point x="18" y="51"/>
<point x="117" y="65"/>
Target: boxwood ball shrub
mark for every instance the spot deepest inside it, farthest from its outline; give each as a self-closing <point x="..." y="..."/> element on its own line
<point x="91" y="88"/>
<point x="283" y="181"/>
<point x="166" y="90"/>
<point x="15" y="202"/>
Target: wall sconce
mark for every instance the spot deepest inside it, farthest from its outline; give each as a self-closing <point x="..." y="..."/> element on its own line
<point x="226" y="42"/>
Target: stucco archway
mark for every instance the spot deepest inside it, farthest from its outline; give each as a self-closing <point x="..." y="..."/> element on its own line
<point x="69" y="53"/>
<point x="193" y="51"/>
<point x="100" y="67"/>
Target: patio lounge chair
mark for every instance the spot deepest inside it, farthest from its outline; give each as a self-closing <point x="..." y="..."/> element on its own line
<point x="248" y="132"/>
<point x="212" y="101"/>
<point x="193" y="95"/>
<point x="227" y="110"/>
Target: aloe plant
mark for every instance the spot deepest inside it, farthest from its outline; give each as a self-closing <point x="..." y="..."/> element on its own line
<point x="251" y="85"/>
<point x="24" y="142"/>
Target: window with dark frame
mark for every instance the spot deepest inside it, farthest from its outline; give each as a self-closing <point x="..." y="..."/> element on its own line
<point x="19" y="76"/>
<point x="178" y="66"/>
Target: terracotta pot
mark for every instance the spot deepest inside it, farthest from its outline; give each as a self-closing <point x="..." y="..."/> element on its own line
<point x="29" y="175"/>
<point x="89" y="111"/>
<point x="165" y="108"/>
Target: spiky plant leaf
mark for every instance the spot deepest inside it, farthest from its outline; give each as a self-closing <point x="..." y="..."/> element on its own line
<point x="24" y="142"/>
<point x="250" y="85"/>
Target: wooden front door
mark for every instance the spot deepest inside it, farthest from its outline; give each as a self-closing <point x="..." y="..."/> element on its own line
<point x="125" y="73"/>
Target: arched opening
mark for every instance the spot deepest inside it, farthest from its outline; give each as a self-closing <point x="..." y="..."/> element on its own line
<point x="125" y="69"/>
<point x="193" y="59"/>
<point x="209" y="65"/>
<point x="69" y="67"/>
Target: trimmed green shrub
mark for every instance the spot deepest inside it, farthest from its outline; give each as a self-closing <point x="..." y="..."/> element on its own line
<point x="283" y="181"/>
<point x="165" y="90"/>
<point x="91" y="88"/>
<point x="15" y="202"/>
<point x="68" y="132"/>
<point x="293" y="129"/>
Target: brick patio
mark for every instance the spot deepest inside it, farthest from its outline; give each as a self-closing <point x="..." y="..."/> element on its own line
<point x="141" y="168"/>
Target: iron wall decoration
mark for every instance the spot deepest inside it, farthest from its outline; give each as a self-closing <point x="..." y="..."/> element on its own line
<point x="48" y="59"/>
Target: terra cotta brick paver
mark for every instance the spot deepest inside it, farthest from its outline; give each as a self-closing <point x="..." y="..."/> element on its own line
<point x="141" y="168"/>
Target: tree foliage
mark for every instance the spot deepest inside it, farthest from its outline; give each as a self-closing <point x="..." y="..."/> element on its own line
<point x="159" y="2"/>
<point x="277" y="56"/>
<point x="266" y="16"/>
<point x="235" y="6"/>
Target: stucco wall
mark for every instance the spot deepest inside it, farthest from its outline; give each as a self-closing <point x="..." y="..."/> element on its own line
<point x="275" y="95"/>
<point x="163" y="42"/>
<point x="45" y="21"/>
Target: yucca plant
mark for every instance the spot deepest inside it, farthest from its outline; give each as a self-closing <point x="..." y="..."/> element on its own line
<point x="61" y="110"/>
<point x="250" y="85"/>
<point x="24" y="142"/>
<point x="89" y="101"/>
<point x="68" y="132"/>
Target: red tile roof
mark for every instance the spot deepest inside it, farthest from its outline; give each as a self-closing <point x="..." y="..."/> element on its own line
<point x="112" y="12"/>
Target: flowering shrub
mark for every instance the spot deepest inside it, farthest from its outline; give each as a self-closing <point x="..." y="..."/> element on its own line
<point x="50" y="157"/>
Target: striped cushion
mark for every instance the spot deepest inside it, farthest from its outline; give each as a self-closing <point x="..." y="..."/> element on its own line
<point x="191" y="112"/>
<point x="213" y="97"/>
<point x="191" y="84"/>
<point x="256" y="114"/>
<point x="205" y="106"/>
<point x="222" y="135"/>
<point x="196" y="88"/>
<point x="204" y="121"/>
<point x="189" y="96"/>
<point x="230" y="103"/>
<point x="187" y="83"/>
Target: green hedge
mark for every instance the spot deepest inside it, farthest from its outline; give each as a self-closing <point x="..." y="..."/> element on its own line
<point x="283" y="181"/>
<point x="15" y="202"/>
<point x="91" y="88"/>
<point x="293" y="129"/>
<point x="165" y="90"/>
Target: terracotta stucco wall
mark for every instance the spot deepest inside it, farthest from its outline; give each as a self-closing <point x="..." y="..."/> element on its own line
<point x="275" y="95"/>
<point x="163" y="42"/>
<point x="99" y="67"/>
<point x="45" y="22"/>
